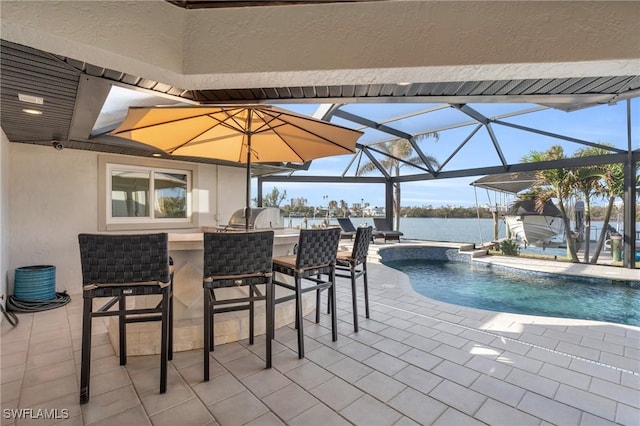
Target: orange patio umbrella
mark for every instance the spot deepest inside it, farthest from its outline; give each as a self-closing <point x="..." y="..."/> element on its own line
<point x="239" y="133"/>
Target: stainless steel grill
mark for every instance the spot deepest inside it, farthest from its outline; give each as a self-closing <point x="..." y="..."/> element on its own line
<point x="259" y="218"/>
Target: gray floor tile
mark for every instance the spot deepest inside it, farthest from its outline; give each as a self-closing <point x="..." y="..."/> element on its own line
<point x="267" y="419"/>
<point x="110" y="404"/>
<point x="380" y="386"/>
<point x="218" y="389"/>
<point x="309" y="375"/>
<point x="324" y="356"/>
<point x="385" y="363"/>
<point x="421" y="359"/>
<point x="489" y="367"/>
<point x="454" y="417"/>
<point x="458" y="397"/>
<point x="190" y="412"/>
<point x="496" y="413"/>
<point x="47" y="391"/>
<point x="549" y="410"/>
<point x="594" y="404"/>
<point x="318" y="415"/>
<point x="132" y="416"/>
<point x="498" y="389"/>
<point x="238" y="409"/>
<point x="34" y="376"/>
<point x="367" y="411"/>
<point x="357" y="350"/>
<point x="391" y="347"/>
<point x="418" y="379"/>
<point x="336" y="393"/>
<point x="533" y="382"/>
<point x="627" y="415"/>
<point x="456" y="373"/>
<point x="417" y="406"/>
<point x="177" y="393"/>
<point x="349" y="369"/>
<point x="290" y="401"/>
<point x="265" y="382"/>
<point x="246" y="365"/>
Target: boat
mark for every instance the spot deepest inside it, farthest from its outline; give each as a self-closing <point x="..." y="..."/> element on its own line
<point x="532" y="226"/>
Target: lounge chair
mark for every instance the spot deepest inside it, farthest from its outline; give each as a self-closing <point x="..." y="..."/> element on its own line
<point x="384" y="230"/>
<point x="348" y="230"/>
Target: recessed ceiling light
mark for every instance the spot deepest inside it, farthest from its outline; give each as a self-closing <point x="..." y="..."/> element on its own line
<point x="31" y="99"/>
<point x="404" y="83"/>
<point x="155" y="154"/>
<point x="32" y="111"/>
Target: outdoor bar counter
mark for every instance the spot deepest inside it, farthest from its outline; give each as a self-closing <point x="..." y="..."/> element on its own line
<point x="186" y="249"/>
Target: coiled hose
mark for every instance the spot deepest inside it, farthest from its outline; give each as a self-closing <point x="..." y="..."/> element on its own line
<point x="22" y="306"/>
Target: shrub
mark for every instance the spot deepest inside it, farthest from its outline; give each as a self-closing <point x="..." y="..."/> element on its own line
<point x="509" y="247"/>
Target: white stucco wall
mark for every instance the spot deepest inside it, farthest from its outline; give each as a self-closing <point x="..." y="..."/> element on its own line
<point x="53" y="196"/>
<point x="4" y="215"/>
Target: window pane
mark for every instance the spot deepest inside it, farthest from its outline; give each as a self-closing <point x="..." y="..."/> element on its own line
<point x="130" y="193"/>
<point x="170" y="195"/>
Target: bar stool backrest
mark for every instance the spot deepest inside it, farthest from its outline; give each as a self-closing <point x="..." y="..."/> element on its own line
<point x="115" y="259"/>
<point x="317" y="247"/>
<point x="238" y="253"/>
<point x="361" y="244"/>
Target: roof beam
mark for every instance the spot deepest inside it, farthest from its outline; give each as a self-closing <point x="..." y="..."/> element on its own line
<point x="521" y="167"/>
<point x="390" y="130"/>
<point x="557" y="136"/>
<point x="453" y="154"/>
<point x="324" y="179"/>
<point x="480" y="118"/>
<point x="375" y="162"/>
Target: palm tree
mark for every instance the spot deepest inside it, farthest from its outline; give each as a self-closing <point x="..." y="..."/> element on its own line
<point x="344" y="208"/>
<point x="333" y="205"/>
<point x="401" y="149"/>
<point x="553" y="183"/>
<point x="587" y="181"/>
<point x="612" y="188"/>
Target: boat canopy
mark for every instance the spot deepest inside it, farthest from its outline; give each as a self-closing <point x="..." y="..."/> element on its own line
<point x="527" y="207"/>
<point x="511" y="183"/>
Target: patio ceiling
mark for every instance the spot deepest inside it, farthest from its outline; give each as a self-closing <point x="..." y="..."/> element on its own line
<point x="73" y="93"/>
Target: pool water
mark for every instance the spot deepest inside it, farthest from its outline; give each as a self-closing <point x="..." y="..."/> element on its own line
<point x="481" y="287"/>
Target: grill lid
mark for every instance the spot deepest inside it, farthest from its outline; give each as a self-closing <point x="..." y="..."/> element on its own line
<point x="259" y="218"/>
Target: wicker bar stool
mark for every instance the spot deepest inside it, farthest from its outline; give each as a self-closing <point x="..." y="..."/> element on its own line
<point x="316" y="257"/>
<point x="120" y="266"/>
<point x="233" y="259"/>
<point x="355" y="263"/>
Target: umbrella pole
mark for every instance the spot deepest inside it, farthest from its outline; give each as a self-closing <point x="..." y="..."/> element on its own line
<point x="247" y="211"/>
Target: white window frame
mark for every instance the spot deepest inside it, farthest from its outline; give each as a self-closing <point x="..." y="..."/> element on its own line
<point x="109" y="164"/>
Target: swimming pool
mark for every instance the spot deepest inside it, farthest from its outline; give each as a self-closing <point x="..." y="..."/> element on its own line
<point x="479" y="286"/>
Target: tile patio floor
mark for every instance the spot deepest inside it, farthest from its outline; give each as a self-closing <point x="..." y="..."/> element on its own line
<point x="416" y="361"/>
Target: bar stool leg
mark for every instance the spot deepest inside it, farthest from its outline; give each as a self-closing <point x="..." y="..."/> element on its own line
<point x="318" y="306"/>
<point x="334" y="316"/>
<point x="212" y="312"/>
<point x="270" y="320"/>
<point x="299" y="317"/>
<point x="122" y="329"/>
<point x="206" y="335"/>
<point x="366" y="288"/>
<point x="85" y="366"/>
<point x="164" y="340"/>
<point x="171" y="322"/>
<point x="251" y="312"/>
<point x="354" y="301"/>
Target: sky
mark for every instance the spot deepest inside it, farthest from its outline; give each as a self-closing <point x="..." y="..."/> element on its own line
<point x="600" y="124"/>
